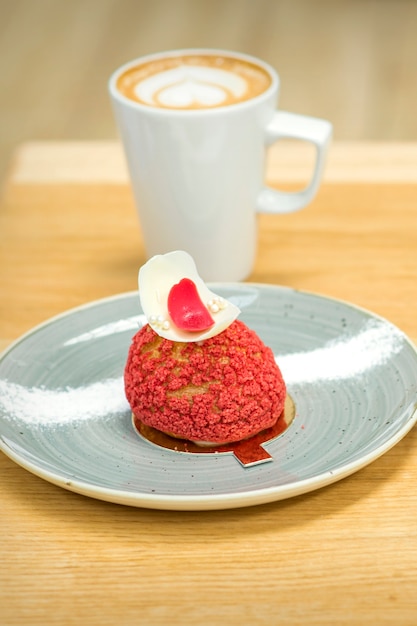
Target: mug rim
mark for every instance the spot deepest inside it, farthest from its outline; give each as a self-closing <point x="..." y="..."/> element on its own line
<point x="117" y="95"/>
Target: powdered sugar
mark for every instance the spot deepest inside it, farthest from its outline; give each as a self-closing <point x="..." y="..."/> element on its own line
<point x="39" y="405"/>
<point x="345" y="357"/>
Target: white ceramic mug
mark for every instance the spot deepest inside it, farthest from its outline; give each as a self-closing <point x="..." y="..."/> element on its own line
<point x="195" y="125"/>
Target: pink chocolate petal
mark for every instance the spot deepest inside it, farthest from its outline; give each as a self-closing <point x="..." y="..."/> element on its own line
<point x="186" y="309"/>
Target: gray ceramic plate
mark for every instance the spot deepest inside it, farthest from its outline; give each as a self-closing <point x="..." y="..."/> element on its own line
<point x="64" y="417"/>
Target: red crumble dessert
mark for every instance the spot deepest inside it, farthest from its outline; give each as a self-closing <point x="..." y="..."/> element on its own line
<point x="224" y="390"/>
<point x="193" y="371"/>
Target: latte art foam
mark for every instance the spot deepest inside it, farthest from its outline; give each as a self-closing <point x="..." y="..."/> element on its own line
<point x="193" y="82"/>
<point x="190" y="85"/>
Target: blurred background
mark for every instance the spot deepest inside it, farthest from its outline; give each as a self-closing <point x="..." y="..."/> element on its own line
<point x="353" y="62"/>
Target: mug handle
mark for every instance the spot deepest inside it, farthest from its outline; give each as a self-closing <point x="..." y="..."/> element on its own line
<point x="291" y="125"/>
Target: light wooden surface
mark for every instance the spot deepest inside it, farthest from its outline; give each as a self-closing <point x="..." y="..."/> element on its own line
<point x="346" y="554"/>
<point x="352" y="62"/>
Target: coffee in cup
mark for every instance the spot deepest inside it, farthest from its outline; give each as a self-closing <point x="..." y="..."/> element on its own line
<point x="193" y="81"/>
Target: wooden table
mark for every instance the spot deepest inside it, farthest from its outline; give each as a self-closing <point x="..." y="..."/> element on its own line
<point x="345" y="554"/>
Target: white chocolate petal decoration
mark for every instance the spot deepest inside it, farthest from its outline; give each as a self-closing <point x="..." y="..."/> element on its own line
<point x="157" y="277"/>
